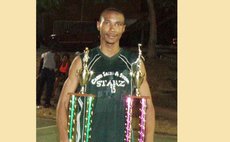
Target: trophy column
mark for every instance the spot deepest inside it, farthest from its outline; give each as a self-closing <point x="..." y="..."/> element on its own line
<point x="136" y="106"/>
<point x="81" y="104"/>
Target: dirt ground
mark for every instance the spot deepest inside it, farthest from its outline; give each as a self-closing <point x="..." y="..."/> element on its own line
<point x="162" y="78"/>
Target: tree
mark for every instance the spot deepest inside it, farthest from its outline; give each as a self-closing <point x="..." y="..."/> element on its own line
<point x="152" y="30"/>
<point x="166" y="11"/>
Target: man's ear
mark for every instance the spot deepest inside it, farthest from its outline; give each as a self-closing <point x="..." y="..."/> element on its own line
<point x="98" y="25"/>
<point x="124" y="28"/>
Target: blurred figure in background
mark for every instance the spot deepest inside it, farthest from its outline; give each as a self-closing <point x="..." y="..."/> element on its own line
<point x="62" y="72"/>
<point x="46" y="75"/>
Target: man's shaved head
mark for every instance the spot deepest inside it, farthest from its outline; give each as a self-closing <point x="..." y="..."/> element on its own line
<point x="111" y="9"/>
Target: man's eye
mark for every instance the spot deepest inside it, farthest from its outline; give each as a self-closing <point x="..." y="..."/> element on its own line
<point x="106" y="22"/>
<point x="119" y="24"/>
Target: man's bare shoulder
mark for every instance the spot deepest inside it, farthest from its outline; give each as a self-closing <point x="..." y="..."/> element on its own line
<point x="76" y="60"/>
<point x="75" y="65"/>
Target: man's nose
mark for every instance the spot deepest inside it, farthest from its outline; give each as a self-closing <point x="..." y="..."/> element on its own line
<point x="112" y="27"/>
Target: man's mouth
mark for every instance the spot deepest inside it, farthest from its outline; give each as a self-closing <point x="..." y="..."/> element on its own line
<point x="111" y="36"/>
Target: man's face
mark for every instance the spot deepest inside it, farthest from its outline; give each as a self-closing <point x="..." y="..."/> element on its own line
<point x="111" y="27"/>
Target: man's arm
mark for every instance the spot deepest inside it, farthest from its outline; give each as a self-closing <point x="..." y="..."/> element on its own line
<point x="41" y="64"/>
<point x="150" y="112"/>
<point x="69" y="86"/>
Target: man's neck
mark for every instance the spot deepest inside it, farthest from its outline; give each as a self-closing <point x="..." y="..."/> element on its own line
<point x="109" y="49"/>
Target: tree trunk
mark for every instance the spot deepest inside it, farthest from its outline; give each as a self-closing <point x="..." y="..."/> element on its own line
<point x="152" y="30"/>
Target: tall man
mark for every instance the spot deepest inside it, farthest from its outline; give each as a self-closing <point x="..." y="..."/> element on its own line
<point x="111" y="82"/>
<point x="48" y="64"/>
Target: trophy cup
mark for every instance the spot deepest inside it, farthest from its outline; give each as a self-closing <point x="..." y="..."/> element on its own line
<point x="81" y="104"/>
<point x="136" y="105"/>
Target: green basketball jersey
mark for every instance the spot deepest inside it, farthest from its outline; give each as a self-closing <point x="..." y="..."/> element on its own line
<point x="110" y="82"/>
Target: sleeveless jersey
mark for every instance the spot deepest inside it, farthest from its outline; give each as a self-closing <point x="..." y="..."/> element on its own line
<point x="110" y="82"/>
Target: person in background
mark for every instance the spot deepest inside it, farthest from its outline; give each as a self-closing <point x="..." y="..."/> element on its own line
<point x="62" y="72"/>
<point x="46" y="75"/>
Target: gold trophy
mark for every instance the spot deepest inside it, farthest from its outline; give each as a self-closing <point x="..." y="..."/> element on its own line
<point x="81" y="107"/>
<point x="136" y="105"/>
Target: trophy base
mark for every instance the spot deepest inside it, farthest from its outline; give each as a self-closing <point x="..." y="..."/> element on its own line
<point x="82" y="95"/>
<point x="138" y="97"/>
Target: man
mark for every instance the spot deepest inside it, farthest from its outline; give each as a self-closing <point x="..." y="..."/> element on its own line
<point x="46" y="76"/>
<point x="111" y="82"/>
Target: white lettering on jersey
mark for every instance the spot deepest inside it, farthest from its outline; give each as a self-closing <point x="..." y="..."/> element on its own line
<point x="118" y="80"/>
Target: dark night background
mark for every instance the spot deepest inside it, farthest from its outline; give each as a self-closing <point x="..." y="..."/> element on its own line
<point x="73" y="21"/>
